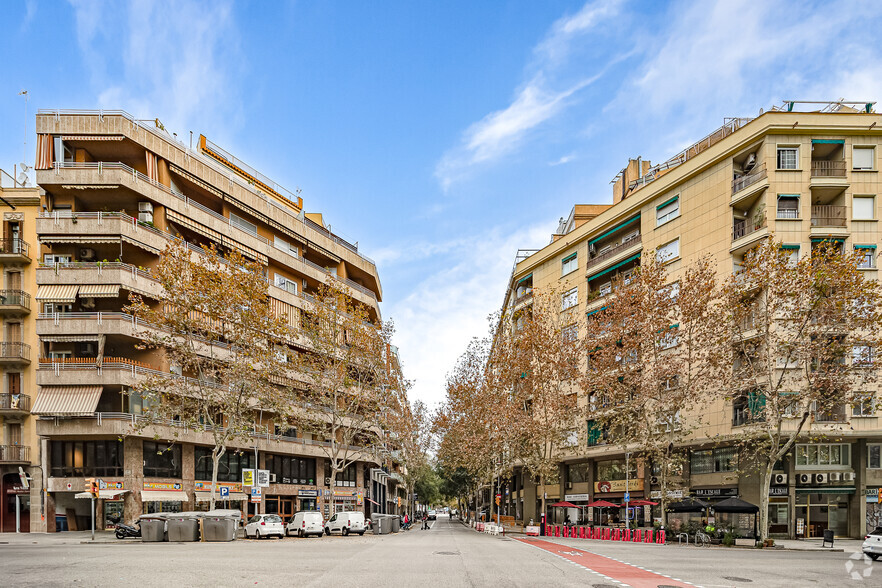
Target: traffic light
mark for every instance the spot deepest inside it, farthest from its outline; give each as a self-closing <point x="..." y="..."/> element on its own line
<point x="498" y="499"/>
<point x="91" y="486"/>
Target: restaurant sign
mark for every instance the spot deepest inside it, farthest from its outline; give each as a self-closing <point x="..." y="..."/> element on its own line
<point x="577" y="497"/>
<point x="309" y="493"/>
<point x="779" y="491"/>
<point x="618" y="485"/>
<point x="162" y="485"/>
<point x="656" y="494"/>
<point x="714" y="492"/>
<point x="346" y="493"/>
<point x="206" y="486"/>
<point x="873" y="494"/>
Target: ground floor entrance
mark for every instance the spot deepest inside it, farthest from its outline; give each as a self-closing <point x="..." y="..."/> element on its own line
<point x="15" y="500"/>
<point x="818" y="512"/>
<point x="284" y="506"/>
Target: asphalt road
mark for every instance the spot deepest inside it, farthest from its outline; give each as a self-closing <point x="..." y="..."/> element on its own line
<point x="449" y="554"/>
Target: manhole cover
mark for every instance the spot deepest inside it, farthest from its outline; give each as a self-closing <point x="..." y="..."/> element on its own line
<point x="737" y="579"/>
<point x="446" y="553"/>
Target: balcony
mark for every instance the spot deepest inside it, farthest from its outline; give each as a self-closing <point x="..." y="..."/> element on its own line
<point x="828" y="215"/>
<point x="524" y="297"/>
<point x="740" y="185"/>
<point x="14" y="250"/>
<point x="742" y="228"/>
<point x="15" y="454"/>
<point x="110" y="273"/>
<point x="614" y="251"/>
<point x="14" y="302"/>
<point x="15" y="353"/>
<point x="828" y="169"/>
<point x="15" y="404"/>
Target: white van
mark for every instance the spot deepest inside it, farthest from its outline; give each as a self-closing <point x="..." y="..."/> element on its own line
<point x="346" y="522"/>
<point x="305" y="523"/>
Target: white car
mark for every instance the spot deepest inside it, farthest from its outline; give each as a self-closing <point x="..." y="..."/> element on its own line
<point x="346" y="522"/>
<point x="872" y="546"/>
<point x="305" y="523"/>
<point x="265" y="525"/>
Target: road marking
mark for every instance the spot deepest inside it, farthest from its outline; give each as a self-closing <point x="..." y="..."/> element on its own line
<point x="620" y="572"/>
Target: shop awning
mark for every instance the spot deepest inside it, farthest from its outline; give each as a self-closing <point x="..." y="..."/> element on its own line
<point x="58" y="293"/>
<point x="206" y="496"/>
<point x="163" y="496"/>
<point x="371" y="501"/>
<point x="66" y="400"/>
<point x="78" y="239"/>
<point x="736" y="505"/>
<point x="105" y="494"/>
<point x="825" y="490"/>
<point x="99" y="291"/>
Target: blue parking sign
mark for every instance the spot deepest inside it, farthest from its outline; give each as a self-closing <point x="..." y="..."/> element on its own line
<point x="224" y="492"/>
<point x="627" y="497"/>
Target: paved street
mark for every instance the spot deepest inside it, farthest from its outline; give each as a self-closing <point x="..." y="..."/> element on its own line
<point x="449" y="554"/>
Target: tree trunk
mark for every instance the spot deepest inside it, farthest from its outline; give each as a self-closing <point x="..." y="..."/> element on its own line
<point x="333" y="484"/>
<point x="216" y="454"/>
<point x="663" y="501"/>
<point x="542" y="487"/>
<point x="764" y="500"/>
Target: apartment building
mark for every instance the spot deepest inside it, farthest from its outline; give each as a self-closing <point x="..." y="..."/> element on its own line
<point x="116" y="191"/>
<point x="19" y="450"/>
<point x="803" y="173"/>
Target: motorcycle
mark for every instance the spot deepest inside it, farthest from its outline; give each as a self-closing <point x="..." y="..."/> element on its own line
<point x="123" y="530"/>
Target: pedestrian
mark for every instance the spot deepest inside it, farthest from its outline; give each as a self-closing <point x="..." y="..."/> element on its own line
<point x="425" y="521"/>
<point x="567" y="520"/>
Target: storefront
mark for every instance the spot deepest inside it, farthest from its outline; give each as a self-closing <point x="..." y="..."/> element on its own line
<point x="308" y="499"/>
<point x="233" y="501"/>
<point x="614" y="491"/>
<point x="874" y="508"/>
<point x="346" y="500"/>
<point x="16" y="505"/>
<point x="779" y="511"/>
<point x="578" y="516"/>
<point x="818" y="509"/>
<point x="163" y="497"/>
<point x="110" y="503"/>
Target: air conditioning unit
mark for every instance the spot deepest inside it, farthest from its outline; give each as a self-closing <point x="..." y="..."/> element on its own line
<point x="779" y="479"/>
<point x="88" y="348"/>
<point x="87" y="302"/>
<point x="653" y="481"/>
<point x="835" y="476"/>
<point x="87" y="254"/>
<point x="272" y="478"/>
<point x="569" y="485"/>
<point x="803" y="478"/>
<point x="145" y="217"/>
<point x="592" y="250"/>
<point x="145" y="206"/>
<point x="820" y="478"/>
<point x="848" y="477"/>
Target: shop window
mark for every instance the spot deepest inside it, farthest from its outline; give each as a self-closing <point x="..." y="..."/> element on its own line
<point x="162" y="460"/>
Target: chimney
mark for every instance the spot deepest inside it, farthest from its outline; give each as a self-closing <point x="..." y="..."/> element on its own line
<point x="635" y="170"/>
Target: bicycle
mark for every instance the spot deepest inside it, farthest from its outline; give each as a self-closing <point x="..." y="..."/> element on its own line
<point x="702" y="539"/>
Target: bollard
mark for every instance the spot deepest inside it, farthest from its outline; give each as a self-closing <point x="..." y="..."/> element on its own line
<point x="648" y="538"/>
<point x="627" y="536"/>
<point x="606" y="534"/>
<point x="636" y="537"/>
<point x="660" y="537"/>
<point x="582" y="533"/>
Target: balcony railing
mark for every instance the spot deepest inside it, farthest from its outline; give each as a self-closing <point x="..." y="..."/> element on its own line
<point x="523" y="297"/>
<point x="828" y="215"/>
<point x="741" y="183"/>
<point x="828" y="169"/>
<point x="15" y="298"/>
<point x="15" y="402"/>
<point x="15" y="454"/>
<point x="14" y="247"/>
<point x="613" y="251"/>
<point x="742" y="228"/>
<point x="15" y="350"/>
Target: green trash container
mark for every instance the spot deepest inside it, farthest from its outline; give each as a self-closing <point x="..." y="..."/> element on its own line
<point x="153" y="528"/>
<point x="184" y="526"/>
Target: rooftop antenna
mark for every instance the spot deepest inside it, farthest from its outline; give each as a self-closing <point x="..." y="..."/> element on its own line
<point x="25" y="147"/>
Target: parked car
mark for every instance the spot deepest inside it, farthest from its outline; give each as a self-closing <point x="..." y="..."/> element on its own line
<point x="872" y="546"/>
<point x="305" y="523"/>
<point x="433" y="515"/>
<point x="345" y="523"/>
<point x="265" y="525"/>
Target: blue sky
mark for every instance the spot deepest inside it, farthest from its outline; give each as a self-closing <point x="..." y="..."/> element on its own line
<point x="441" y="136"/>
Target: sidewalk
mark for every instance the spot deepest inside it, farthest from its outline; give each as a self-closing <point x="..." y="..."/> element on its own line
<point x="65" y="538"/>
<point x="842" y="545"/>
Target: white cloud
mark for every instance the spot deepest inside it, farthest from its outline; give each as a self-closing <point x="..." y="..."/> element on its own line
<point x="556" y="44"/>
<point x="446" y="309"/>
<point x="563" y="160"/>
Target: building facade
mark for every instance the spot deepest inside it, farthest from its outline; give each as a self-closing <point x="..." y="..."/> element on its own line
<point x="116" y="191"/>
<point x="801" y="173"/>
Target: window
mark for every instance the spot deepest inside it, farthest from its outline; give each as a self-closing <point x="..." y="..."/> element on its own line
<point x="862" y="356"/>
<point x="864" y="405"/>
<point x="238" y="221"/>
<point x="229" y="467"/>
<point x="863" y="208"/>
<point x="283" y="245"/>
<point x="569" y="264"/>
<point x="630" y="237"/>
<point x="76" y="459"/>
<point x="570" y="333"/>
<point x="788" y="157"/>
<point x="570" y="299"/>
<point x="286" y="283"/>
<point x="667" y="211"/>
<point x="161" y="461"/>
<point x="577" y="472"/>
<point x="346" y="477"/>
<point x="668" y="252"/>
<point x="605" y="289"/>
<point x="867" y="256"/>
<point x="791" y="252"/>
<point x="614" y="469"/>
<point x="49" y="259"/>
<point x="292" y="470"/>
<point x="788" y="206"/>
<point x="669" y="339"/>
<point x="863" y="157"/>
<point x="810" y="456"/>
<point x="709" y="461"/>
<point x="874" y="456"/>
<point x="673" y="290"/>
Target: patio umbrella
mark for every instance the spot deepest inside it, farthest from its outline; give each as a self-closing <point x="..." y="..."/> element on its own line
<point x="602" y="504"/>
<point x="738" y="506"/>
<point x="565" y="505"/>
<point x="688" y="505"/>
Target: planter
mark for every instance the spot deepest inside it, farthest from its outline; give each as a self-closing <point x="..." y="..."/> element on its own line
<point x="745" y="542"/>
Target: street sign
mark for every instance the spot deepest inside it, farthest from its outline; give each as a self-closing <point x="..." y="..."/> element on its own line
<point x="25" y="482"/>
<point x="225" y="492"/>
<point x="248" y="477"/>
<point x="627" y="497"/>
<point x="256" y="494"/>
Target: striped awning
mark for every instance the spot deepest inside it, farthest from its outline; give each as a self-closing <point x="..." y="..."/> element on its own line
<point x="66" y="400"/>
<point x="163" y="496"/>
<point x="215" y="236"/>
<point x="78" y="239"/>
<point x="92" y="137"/>
<point x="68" y="338"/>
<point x="99" y="291"/>
<point x="58" y="293"/>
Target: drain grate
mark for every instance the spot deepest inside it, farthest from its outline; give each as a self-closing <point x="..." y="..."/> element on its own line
<point x="737" y="579"/>
<point x="446" y="553"/>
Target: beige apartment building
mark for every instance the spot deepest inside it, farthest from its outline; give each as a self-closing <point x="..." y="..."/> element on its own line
<point x="116" y="191"/>
<point x="803" y="173"/>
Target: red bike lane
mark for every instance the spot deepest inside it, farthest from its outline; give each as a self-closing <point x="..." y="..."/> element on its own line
<point x="608" y="568"/>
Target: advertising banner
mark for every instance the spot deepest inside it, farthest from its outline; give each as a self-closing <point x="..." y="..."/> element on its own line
<point x="618" y="485"/>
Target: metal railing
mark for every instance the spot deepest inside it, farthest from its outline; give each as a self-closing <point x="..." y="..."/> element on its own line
<point x="100" y="267"/>
<point x="15" y="350"/>
<point x="743" y="182"/>
<point x="613" y="251"/>
<point x="828" y="169"/>
<point x="14" y="247"/>
<point x="787" y="213"/>
<point x="15" y="402"/>
<point x="15" y="453"/>
<point x="828" y="215"/>
<point x="742" y="228"/>
<point x="15" y="298"/>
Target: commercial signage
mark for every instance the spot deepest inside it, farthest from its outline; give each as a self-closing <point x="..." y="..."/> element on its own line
<point x="618" y="485"/>
<point x="263" y="478"/>
<point x="162" y="485"/>
<point x="656" y="494"/>
<point x="714" y="492"/>
<point x="347" y="493"/>
<point x="359" y="498"/>
<point x="779" y="491"/>
<point x="308" y="493"/>
<point x="109" y="485"/>
<point x="256" y="494"/>
<point x="231" y="486"/>
<point x="248" y="477"/>
<point x="577" y="497"/>
<point x="873" y="494"/>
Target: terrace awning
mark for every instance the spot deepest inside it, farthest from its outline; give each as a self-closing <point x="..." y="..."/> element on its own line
<point x="99" y="291"/>
<point x="57" y="293"/>
<point x="67" y="400"/>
